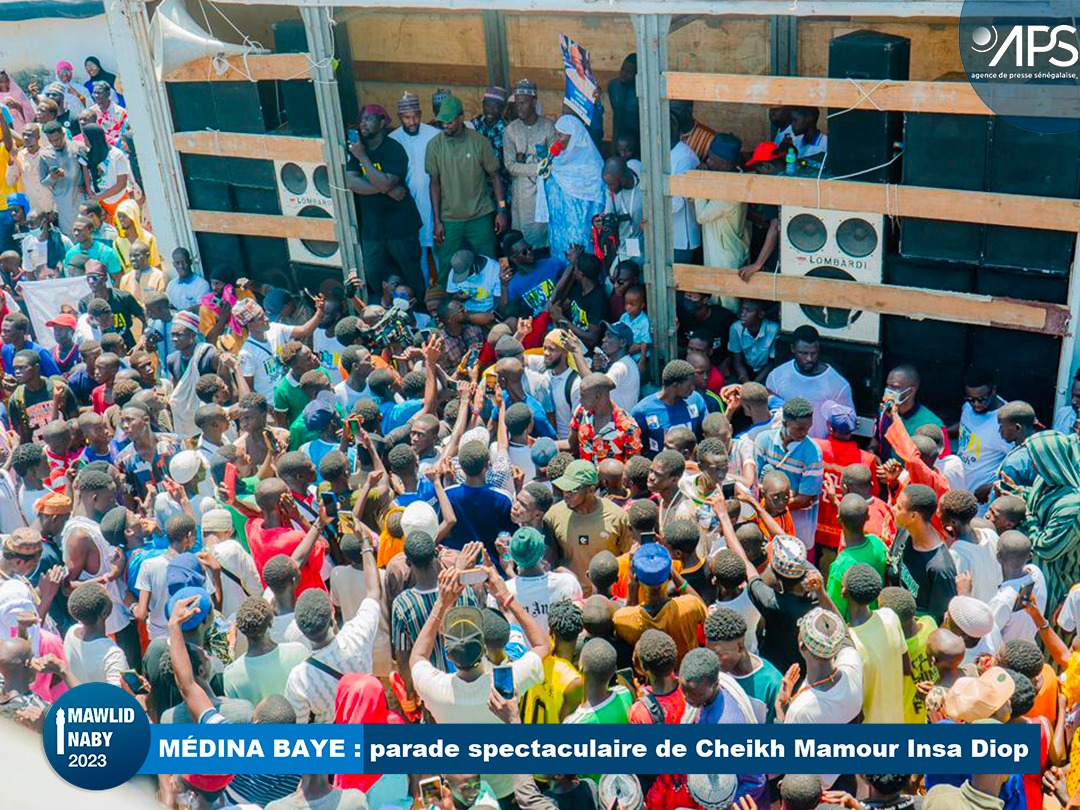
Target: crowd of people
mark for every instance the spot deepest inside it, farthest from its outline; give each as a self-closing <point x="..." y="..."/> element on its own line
<point x="450" y="491"/>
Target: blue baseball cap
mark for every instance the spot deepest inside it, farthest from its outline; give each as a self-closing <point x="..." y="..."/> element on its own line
<point x="203" y="605"/>
<point x="318" y="414"/>
<point x="652" y="565"/>
<point x="543" y="451"/>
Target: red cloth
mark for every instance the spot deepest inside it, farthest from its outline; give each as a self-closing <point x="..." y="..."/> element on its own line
<point x="880" y="521"/>
<point x="673" y="705"/>
<point x="716" y="381"/>
<point x="836" y="454"/>
<point x="97" y="399"/>
<point x="46" y="686"/>
<point x="1033" y="781"/>
<point x="361" y="699"/>
<point x="904" y="446"/>
<point x="540" y="325"/>
<point x="267" y="543"/>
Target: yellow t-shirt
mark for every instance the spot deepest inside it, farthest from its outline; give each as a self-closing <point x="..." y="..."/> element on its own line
<point x="5" y="189"/>
<point x="679" y="618"/>
<point x="544" y="702"/>
<point x="922" y="669"/>
<point x="881" y="643"/>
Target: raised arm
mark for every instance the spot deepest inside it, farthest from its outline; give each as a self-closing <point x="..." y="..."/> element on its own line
<point x="538" y="637"/>
<point x="195" y="698"/>
<point x="305" y="330"/>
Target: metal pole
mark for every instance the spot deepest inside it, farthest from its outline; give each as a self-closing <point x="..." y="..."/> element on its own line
<point x="496" y="48"/>
<point x="159" y="162"/>
<point x="320" y="37"/>
<point x="1070" y="348"/>
<point x="651" y="31"/>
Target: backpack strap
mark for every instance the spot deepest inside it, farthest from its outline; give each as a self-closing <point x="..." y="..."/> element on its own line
<point x="568" y="387"/>
<point x="235" y="579"/>
<point x="656" y="711"/>
<point x="329" y="670"/>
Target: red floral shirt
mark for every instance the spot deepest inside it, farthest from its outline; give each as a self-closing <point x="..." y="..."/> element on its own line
<point x="619" y="439"/>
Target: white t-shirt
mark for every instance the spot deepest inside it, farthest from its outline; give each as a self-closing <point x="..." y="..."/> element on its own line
<point x="348" y="592"/>
<point x="1015" y="624"/>
<point x="1065" y="420"/>
<point x="685" y="228"/>
<point x="787" y="382"/>
<point x="452" y="700"/>
<point x="261" y="360"/>
<point x="626" y="375"/>
<point x="328" y="349"/>
<point x="1069" y="617"/>
<point x="311" y="691"/>
<point x="98" y="661"/>
<point x="153" y="577"/>
<point x="186" y="293"/>
<point x="742" y="605"/>
<point x="980" y="559"/>
<point x="483" y="288"/>
<point x="10" y="516"/>
<point x="837" y="706"/>
<point x="536" y="593"/>
<point x="953" y="469"/>
<point x="232" y="557"/>
<point x="347" y="397"/>
<point x="115" y="165"/>
<point x="564" y="410"/>
<point x="980" y="446"/>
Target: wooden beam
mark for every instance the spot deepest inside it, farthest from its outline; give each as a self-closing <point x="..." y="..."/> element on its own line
<point x="280" y="227"/>
<point x="910" y="302"/>
<point x="988" y="208"/>
<point x="943" y="97"/>
<point x="260" y="147"/>
<point x="553" y="79"/>
<point x="260" y="67"/>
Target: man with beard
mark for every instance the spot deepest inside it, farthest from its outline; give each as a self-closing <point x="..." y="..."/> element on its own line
<point x="414" y="136"/>
<point x="389" y="220"/>
<point x="526" y="140"/>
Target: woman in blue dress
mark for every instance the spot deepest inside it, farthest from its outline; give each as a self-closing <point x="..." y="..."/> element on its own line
<point x="573" y="190"/>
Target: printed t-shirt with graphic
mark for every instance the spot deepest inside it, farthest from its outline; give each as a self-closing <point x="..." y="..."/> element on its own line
<point x="261" y="359"/>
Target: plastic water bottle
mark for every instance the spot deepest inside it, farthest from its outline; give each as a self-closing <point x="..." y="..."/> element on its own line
<point x="789" y="161"/>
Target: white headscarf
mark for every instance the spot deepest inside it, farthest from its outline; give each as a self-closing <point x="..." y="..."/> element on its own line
<point x="579" y="169"/>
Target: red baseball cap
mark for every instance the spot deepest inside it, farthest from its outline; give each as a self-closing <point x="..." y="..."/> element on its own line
<point x="63" y="319"/>
<point x="208" y="783"/>
<point x="765" y="151"/>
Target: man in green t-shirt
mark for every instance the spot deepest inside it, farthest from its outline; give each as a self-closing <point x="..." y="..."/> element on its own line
<point x="902" y="385"/>
<point x="289" y="396"/>
<point x="857" y="547"/>
<point x="460" y="163"/>
<point x="603" y="703"/>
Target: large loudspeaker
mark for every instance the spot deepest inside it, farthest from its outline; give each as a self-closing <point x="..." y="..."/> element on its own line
<point x="944" y="151"/>
<point x="1053" y="288"/>
<point x="1025" y="364"/>
<point x="297" y="96"/>
<point x="304" y="191"/>
<point x="1023" y="162"/>
<point x="863" y="139"/>
<point x="224" y="106"/>
<point x="832" y="244"/>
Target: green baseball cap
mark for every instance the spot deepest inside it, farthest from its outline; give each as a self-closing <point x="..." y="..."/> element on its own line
<point x="449" y="110"/>
<point x="578" y="474"/>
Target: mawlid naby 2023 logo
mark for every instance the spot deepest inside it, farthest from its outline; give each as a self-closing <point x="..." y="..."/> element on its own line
<point x="1023" y="59"/>
<point x="96" y="736"/>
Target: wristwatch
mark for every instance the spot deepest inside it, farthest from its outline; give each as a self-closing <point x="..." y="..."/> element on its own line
<point x="502" y="205"/>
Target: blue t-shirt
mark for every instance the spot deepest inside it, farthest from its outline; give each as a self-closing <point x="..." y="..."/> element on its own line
<point x="482" y="512"/>
<point x="82" y="384"/>
<point x="655" y="418"/>
<point x="425" y="491"/>
<point x="535" y="287"/>
<point x="48" y="363"/>
<point x="542" y="427"/>
<point x="399" y="413"/>
<point x="317" y="449"/>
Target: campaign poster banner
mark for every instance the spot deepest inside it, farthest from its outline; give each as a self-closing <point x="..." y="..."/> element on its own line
<point x="581" y="86"/>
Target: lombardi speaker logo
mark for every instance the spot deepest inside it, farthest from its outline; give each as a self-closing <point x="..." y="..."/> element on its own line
<point x="1023" y="59"/>
<point x="96" y="736"/>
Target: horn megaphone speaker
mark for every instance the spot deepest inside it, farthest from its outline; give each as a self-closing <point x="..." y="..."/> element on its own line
<point x="178" y="39"/>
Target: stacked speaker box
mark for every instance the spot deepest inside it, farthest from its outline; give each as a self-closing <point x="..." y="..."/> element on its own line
<point x="939" y="349"/>
<point x="841" y="245"/>
<point x="226" y="106"/>
<point x="863" y="140"/>
<point x="944" y="151"/>
<point x="1047" y="165"/>
<point x="977" y="153"/>
<point x="301" y="113"/>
